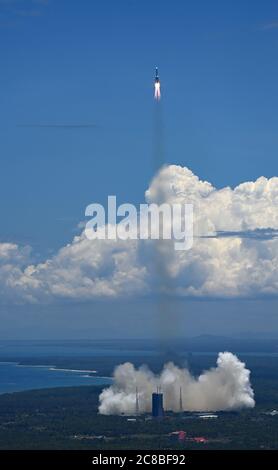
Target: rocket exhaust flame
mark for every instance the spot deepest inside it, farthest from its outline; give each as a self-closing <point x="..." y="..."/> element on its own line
<point x="157" y="94"/>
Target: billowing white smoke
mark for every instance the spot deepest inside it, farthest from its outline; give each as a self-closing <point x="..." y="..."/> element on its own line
<point x="225" y="387"/>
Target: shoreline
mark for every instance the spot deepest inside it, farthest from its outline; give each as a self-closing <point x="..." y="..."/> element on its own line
<point x="78" y="373"/>
<point x="51" y="367"/>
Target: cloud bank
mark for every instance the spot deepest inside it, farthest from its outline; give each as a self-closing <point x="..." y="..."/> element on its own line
<point x="230" y="258"/>
<point x="225" y="387"/>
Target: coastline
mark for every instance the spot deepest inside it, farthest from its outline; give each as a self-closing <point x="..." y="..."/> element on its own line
<point x="13" y="382"/>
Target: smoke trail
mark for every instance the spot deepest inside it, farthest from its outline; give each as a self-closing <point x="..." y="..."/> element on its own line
<point x="158" y="137"/>
<point x="167" y="323"/>
<point x="224" y="387"/>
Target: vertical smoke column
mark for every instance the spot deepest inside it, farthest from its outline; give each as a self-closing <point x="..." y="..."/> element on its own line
<point x="166" y="317"/>
<point x="158" y="136"/>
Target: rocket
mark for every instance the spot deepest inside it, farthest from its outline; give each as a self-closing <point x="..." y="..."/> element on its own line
<point x="156" y="75"/>
<point x="157" y="94"/>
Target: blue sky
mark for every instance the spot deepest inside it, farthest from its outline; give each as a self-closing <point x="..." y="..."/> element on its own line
<point x="92" y="62"/>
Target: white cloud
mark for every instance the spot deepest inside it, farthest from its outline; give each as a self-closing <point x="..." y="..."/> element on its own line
<point x="216" y="266"/>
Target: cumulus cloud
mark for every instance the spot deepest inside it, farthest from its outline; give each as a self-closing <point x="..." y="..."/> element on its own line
<point x="224" y="387"/>
<point x="223" y="266"/>
<point x="235" y="265"/>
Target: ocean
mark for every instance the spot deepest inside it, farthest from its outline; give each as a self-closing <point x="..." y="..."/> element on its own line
<point x="16" y="378"/>
<point x="86" y="357"/>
